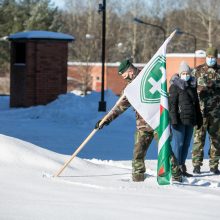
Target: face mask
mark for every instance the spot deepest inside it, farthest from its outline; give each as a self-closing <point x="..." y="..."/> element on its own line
<point x="185" y="77"/>
<point x="210" y="61"/>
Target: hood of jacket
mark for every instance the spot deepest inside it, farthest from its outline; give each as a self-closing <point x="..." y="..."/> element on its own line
<point x="177" y="81"/>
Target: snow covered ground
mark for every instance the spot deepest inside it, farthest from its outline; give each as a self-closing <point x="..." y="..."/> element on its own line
<point x="35" y="142"/>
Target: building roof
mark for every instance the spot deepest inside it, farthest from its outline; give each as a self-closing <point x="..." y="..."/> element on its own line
<point x="41" y="35"/>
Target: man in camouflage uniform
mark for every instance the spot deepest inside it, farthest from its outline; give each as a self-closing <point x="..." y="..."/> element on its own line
<point x="208" y="80"/>
<point x="144" y="133"/>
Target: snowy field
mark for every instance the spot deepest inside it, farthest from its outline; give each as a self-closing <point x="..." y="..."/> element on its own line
<point x="35" y="142"/>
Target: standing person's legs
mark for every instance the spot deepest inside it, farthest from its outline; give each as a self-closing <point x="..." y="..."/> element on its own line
<point x="143" y="140"/>
<point x="176" y="144"/>
<point x="176" y="172"/>
<point x="185" y="149"/>
<point x="178" y="134"/>
<point x="186" y="143"/>
<point x="198" y="145"/>
<point x="214" y="133"/>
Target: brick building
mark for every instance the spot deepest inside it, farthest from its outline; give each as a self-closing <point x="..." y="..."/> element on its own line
<point x="114" y="82"/>
<point x="38" y="67"/>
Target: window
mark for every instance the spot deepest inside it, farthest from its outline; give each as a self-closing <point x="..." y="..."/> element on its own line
<point x="20" y="52"/>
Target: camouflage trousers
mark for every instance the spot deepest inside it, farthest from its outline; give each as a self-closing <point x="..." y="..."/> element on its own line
<point x="212" y="126"/>
<point x="143" y="140"/>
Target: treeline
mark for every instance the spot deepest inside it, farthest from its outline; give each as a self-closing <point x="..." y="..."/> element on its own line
<point x="23" y="15"/>
<point x="124" y="38"/>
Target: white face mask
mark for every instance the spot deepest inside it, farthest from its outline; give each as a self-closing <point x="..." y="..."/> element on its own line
<point x="210" y="61"/>
<point x="185" y="77"/>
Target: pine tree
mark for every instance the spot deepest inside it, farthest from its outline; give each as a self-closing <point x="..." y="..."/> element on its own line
<point x="23" y="15"/>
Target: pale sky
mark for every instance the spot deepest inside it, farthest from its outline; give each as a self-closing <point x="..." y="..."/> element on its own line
<point x="58" y="2"/>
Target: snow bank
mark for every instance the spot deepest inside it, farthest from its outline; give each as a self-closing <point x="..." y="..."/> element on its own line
<point x="103" y="188"/>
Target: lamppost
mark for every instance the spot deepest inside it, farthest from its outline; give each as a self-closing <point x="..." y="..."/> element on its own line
<point x="102" y="103"/>
<point x="154" y="25"/>
<point x="195" y="42"/>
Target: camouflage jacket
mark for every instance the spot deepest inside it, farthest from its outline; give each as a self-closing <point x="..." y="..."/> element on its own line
<point x="208" y="81"/>
<point x="123" y="105"/>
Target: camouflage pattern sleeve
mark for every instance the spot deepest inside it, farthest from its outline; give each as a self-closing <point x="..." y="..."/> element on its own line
<point x="119" y="109"/>
<point x="208" y="81"/>
<point x="217" y="83"/>
<point x="199" y="119"/>
<point x="202" y="80"/>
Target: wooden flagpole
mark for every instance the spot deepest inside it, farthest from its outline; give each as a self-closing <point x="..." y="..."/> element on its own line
<point x="86" y="140"/>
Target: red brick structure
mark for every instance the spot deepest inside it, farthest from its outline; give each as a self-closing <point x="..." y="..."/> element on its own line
<point x="38" y="67"/>
<point x="114" y="82"/>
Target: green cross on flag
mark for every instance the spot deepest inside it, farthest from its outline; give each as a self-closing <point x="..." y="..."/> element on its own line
<point x="151" y="82"/>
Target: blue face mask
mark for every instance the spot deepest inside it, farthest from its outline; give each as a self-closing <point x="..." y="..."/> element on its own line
<point x="210" y="61"/>
<point x="185" y="77"/>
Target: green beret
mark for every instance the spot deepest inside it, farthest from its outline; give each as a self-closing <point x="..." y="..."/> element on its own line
<point x="124" y="65"/>
<point x="211" y="51"/>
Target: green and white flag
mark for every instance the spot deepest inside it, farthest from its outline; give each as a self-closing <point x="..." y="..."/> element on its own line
<point x="147" y="93"/>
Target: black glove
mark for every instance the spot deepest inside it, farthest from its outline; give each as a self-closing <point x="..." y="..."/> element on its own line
<point x="105" y="123"/>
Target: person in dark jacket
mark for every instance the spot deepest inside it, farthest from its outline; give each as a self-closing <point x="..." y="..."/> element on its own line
<point x="184" y="110"/>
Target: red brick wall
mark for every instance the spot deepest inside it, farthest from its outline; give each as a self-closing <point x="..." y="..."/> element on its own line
<point x="51" y="70"/>
<point x="44" y="75"/>
<point x="114" y="82"/>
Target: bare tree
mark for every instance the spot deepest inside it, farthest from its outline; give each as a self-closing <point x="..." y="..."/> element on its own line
<point x="203" y="21"/>
<point x="81" y="18"/>
<point x="126" y="39"/>
<point x="85" y="78"/>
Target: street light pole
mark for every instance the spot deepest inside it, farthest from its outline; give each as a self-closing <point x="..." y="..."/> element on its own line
<point x="195" y="42"/>
<point x="102" y="103"/>
<point x="154" y="25"/>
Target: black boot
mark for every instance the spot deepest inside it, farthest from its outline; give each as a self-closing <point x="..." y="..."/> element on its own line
<point x="215" y="171"/>
<point x="183" y="170"/>
<point x="196" y="170"/>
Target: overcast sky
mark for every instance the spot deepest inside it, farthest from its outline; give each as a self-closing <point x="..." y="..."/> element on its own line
<point x="58" y="2"/>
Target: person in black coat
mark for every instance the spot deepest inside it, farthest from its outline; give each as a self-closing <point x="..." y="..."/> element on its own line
<point x="184" y="111"/>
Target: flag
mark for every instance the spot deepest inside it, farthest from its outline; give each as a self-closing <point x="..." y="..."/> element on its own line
<point x="147" y="93"/>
